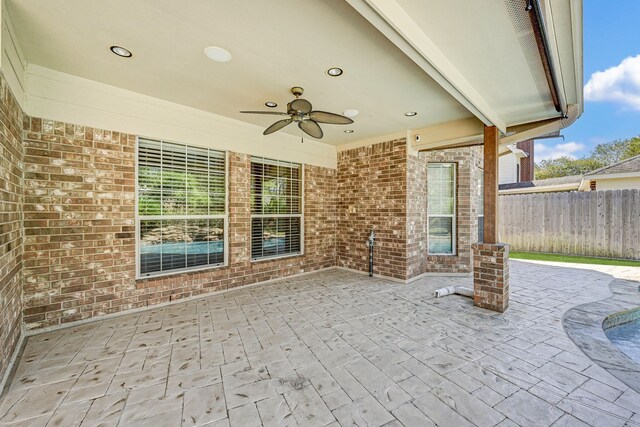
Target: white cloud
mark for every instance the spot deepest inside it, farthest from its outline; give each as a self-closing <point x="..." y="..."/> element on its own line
<point x="547" y="152"/>
<point x="620" y="84"/>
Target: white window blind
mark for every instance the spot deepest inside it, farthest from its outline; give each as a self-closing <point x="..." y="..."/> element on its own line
<point x="276" y="208"/>
<point x="181" y="207"/>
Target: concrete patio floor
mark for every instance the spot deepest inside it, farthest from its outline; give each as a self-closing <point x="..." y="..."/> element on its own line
<point x="331" y="348"/>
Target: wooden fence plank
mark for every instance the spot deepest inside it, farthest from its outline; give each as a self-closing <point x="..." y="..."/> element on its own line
<point x="595" y="223"/>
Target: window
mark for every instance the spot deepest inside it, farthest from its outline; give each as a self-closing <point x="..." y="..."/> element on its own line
<point x="441" y="208"/>
<point x="181" y="212"/>
<point x="276" y="208"/>
<point x="481" y="207"/>
<point x="518" y="170"/>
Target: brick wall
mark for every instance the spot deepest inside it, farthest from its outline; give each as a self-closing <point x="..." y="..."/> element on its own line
<point x="372" y="183"/>
<point x="384" y="187"/>
<point x="79" y="222"/>
<point x="416" y="215"/>
<point x="527" y="166"/>
<point x="79" y="253"/>
<point x="11" y="237"/>
<point x="469" y="169"/>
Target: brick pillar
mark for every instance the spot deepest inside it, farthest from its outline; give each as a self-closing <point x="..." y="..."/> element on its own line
<point x="491" y="276"/>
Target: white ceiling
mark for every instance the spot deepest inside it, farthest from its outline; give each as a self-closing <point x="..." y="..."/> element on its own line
<point x="278" y="44"/>
<point x="491" y="43"/>
<point x="275" y="45"/>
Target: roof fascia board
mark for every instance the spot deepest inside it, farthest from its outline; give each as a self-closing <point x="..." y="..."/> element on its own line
<point x="613" y="175"/>
<point x="544" y="189"/>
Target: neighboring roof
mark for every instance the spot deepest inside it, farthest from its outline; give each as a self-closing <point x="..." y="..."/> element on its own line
<point x="565" y="183"/>
<point x="630" y="165"/>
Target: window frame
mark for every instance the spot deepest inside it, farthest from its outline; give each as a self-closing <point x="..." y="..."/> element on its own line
<point x="300" y="215"/>
<point x="453" y="216"/>
<point x="139" y="218"/>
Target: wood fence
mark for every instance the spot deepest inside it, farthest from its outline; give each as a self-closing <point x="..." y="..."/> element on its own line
<point x="592" y="223"/>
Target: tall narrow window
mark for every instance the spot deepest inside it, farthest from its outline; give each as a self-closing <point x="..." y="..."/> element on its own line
<point x="276" y="208"/>
<point x="441" y="208"/>
<point x="181" y="207"/>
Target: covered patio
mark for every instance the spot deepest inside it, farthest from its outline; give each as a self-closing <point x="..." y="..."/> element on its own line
<point x="331" y="348"/>
<point x="192" y="197"/>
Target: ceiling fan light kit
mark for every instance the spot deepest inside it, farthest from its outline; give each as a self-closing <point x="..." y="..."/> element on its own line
<point x="301" y="111"/>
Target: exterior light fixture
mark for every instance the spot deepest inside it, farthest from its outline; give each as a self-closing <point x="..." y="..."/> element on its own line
<point x="334" y="71"/>
<point x="121" y="51"/>
<point x="410" y="113"/>
<point x="217" y="54"/>
<point x="271" y="104"/>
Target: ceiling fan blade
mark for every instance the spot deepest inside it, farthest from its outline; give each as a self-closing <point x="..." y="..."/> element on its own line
<point x="311" y="128"/>
<point x="331" y="118"/>
<point x="274" y="113"/>
<point x="277" y="126"/>
<point x="301" y="105"/>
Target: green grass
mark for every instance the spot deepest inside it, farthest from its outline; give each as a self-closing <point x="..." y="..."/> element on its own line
<point x="573" y="258"/>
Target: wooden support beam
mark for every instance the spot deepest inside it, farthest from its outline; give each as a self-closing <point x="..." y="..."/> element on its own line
<point x="491" y="148"/>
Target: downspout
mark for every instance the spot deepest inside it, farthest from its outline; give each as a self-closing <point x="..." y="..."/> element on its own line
<point x="450" y="290"/>
<point x="534" y="8"/>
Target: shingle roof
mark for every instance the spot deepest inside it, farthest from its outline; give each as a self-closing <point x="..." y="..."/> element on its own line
<point x="573" y="179"/>
<point x="632" y="164"/>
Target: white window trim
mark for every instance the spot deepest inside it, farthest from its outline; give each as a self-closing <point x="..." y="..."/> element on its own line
<point x="225" y="218"/>
<point x="300" y="215"/>
<point x="453" y="216"/>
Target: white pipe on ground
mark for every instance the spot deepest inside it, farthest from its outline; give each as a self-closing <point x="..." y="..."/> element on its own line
<point x="450" y="290"/>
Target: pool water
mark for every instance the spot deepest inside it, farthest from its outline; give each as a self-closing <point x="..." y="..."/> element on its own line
<point x="626" y="338"/>
<point x="181" y="248"/>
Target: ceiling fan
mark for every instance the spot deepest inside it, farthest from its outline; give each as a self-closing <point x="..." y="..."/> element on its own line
<point x="300" y="111"/>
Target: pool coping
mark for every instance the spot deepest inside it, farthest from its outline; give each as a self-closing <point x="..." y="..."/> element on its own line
<point x="585" y="325"/>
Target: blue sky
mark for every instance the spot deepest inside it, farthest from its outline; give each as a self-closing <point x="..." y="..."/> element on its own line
<point x="612" y="99"/>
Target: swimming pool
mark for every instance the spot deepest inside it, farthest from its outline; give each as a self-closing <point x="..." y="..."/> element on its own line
<point x="626" y="337"/>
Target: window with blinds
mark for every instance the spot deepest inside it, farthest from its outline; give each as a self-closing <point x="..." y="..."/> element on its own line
<point x="441" y="208"/>
<point x="276" y="208"/>
<point x="181" y="196"/>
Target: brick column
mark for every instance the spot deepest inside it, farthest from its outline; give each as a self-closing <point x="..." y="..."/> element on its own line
<point x="491" y="276"/>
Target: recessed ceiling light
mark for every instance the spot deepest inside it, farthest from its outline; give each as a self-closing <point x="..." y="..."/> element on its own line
<point x="217" y="54"/>
<point x="334" y="71"/>
<point x="121" y="51"/>
<point x="271" y="104"/>
<point x="348" y="131"/>
<point x="351" y="112"/>
<point x="410" y="113"/>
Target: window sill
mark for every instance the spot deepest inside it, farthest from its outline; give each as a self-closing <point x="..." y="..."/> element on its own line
<point x="182" y="271"/>
<point x="276" y="257"/>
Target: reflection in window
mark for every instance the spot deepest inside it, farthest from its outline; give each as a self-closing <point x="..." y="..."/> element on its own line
<point x="441" y="208"/>
<point x="181" y="207"/>
<point x="276" y="208"/>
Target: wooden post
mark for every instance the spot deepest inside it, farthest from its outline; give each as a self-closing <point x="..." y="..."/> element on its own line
<point x="490" y="184"/>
